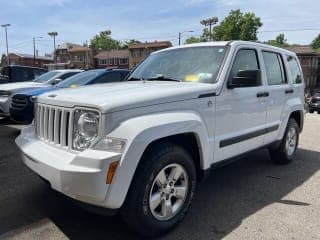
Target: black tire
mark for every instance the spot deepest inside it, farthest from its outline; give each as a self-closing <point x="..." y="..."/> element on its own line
<point x="136" y="211"/>
<point x="311" y="110"/>
<point x="280" y="154"/>
<point x="318" y="112"/>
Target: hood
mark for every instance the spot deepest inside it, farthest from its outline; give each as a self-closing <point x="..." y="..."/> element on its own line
<point x="21" y="85"/>
<point x="36" y="91"/>
<point x="112" y="97"/>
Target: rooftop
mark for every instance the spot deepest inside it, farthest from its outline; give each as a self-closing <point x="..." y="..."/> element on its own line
<point x="113" y="54"/>
<point x="78" y="49"/>
<point x="302" y="49"/>
<point x="151" y="45"/>
<point x="25" y="55"/>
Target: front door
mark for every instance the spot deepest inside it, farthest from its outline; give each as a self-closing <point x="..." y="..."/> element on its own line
<point x="240" y="112"/>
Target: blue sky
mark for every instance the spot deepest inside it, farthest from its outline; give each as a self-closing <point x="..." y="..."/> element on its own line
<point x="78" y="20"/>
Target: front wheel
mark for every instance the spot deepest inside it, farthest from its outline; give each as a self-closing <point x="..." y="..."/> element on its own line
<point x="162" y="190"/>
<point x="287" y="149"/>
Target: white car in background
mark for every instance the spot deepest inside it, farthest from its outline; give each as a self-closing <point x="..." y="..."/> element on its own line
<point x="49" y="78"/>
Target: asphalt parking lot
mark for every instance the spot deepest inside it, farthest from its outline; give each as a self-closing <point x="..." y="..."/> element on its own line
<point x="249" y="199"/>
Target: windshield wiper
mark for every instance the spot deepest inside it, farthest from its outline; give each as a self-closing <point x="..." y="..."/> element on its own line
<point x="134" y="79"/>
<point x="163" y="78"/>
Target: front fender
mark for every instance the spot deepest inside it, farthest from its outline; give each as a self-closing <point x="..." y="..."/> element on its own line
<point x="143" y="130"/>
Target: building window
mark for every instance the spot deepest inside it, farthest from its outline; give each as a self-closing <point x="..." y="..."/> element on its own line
<point x="136" y="53"/>
<point x="123" y="61"/>
<point x="103" y="62"/>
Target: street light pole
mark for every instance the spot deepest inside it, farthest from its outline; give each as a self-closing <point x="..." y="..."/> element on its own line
<point x="54" y="34"/>
<point x="5" y="26"/>
<point x="210" y="22"/>
<point x="180" y="34"/>
<point x="34" y="50"/>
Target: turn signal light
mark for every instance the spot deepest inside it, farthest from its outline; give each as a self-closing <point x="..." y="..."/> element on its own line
<point x="111" y="171"/>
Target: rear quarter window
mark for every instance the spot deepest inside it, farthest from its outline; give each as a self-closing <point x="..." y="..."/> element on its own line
<point x="294" y="69"/>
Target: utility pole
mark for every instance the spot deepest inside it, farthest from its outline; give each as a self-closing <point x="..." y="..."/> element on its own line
<point x="180" y="34"/>
<point x="34" y="50"/>
<point x="210" y="22"/>
<point x="5" y="26"/>
<point x="87" y="55"/>
<point x="54" y="34"/>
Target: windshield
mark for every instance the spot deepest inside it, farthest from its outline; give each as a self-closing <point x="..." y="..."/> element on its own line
<point x="194" y="64"/>
<point x="46" y="77"/>
<point x="79" y="79"/>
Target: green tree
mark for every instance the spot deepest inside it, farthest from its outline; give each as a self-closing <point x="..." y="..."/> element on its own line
<point x="193" y="40"/>
<point x="126" y="44"/>
<point x="316" y="43"/>
<point x="237" y="26"/>
<point x="280" y="41"/>
<point x="104" y="41"/>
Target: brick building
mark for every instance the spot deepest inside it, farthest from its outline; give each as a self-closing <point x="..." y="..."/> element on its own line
<point x="112" y="59"/>
<point x="310" y="63"/>
<point x="81" y="57"/>
<point x="29" y="60"/>
<point x="140" y="51"/>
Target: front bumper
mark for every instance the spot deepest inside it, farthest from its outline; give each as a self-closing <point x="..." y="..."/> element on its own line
<point x="81" y="176"/>
<point x="314" y="106"/>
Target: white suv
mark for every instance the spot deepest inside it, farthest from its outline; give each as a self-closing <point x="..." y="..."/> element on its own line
<point x="141" y="146"/>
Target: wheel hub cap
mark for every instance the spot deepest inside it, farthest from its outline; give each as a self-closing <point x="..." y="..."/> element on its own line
<point x="168" y="192"/>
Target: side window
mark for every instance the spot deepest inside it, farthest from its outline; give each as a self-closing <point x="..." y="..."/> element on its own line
<point x="274" y="68"/>
<point x="246" y="59"/>
<point x="19" y="74"/>
<point x="109" y="77"/>
<point x="66" y="75"/>
<point x="294" y="69"/>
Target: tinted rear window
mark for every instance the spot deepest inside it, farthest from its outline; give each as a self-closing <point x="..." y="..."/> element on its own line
<point x="294" y="70"/>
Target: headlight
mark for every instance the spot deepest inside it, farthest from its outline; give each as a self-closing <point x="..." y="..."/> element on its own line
<point x="85" y="128"/>
<point x="5" y="93"/>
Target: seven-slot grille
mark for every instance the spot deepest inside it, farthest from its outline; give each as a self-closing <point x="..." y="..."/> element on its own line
<point x="54" y="124"/>
<point x="19" y="102"/>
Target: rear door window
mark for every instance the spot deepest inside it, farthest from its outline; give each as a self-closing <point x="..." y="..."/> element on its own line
<point x="294" y="70"/>
<point x="274" y="68"/>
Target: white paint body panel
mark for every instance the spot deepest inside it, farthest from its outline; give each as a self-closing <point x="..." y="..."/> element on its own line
<point x="142" y="112"/>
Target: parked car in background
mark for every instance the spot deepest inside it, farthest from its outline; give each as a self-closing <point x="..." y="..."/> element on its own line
<point x="10" y="74"/>
<point x="140" y="147"/>
<point x="22" y="103"/>
<point x="314" y="104"/>
<point x="44" y="80"/>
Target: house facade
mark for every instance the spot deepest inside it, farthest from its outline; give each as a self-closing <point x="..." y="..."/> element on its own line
<point x="29" y="60"/>
<point x="139" y="51"/>
<point x="112" y="59"/>
<point x="81" y="57"/>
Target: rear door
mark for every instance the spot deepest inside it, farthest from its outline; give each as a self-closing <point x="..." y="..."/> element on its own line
<point x="279" y="90"/>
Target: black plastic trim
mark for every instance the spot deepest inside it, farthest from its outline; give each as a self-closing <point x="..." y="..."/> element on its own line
<point x="207" y="95"/>
<point x="244" y="137"/>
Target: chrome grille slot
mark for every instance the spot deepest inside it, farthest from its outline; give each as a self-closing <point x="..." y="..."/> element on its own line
<point x="54" y="124"/>
<point x="19" y="102"/>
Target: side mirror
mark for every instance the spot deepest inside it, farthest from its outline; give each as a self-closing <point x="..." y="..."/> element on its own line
<point x="56" y="81"/>
<point x="246" y="78"/>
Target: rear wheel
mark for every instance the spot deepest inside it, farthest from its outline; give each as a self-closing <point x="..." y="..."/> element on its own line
<point x="161" y="191"/>
<point x="286" y="151"/>
<point x="311" y="110"/>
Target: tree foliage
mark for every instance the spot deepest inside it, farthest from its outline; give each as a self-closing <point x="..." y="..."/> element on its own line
<point x="316" y="43"/>
<point x="236" y="26"/>
<point x="104" y="41"/>
<point x="280" y="41"/>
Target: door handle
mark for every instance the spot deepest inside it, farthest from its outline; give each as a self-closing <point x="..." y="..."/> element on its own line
<point x="287" y="91"/>
<point x="262" y="94"/>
